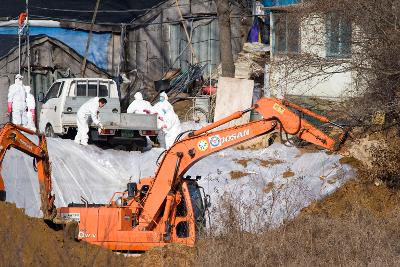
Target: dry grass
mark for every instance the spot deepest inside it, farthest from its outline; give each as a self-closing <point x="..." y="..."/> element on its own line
<point x="355" y="163"/>
<point x="242" y="162"/>
<point x="270" y="162"/>
<point x="263" y="162"/>
<point x="386" y="163"/>
<point x="357" y="225"/>
<point x="360" y="239"/>
<point x="268" y="188"/>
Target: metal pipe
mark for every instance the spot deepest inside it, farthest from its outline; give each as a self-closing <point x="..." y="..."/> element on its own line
<point x="28" y="46"/>
<point x="19" y="50"/>
<point x="305" y="111"/>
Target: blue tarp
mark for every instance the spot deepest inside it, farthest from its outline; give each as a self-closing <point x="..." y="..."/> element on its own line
<point x="279" y="2"/>
<point x="76" y="39"/>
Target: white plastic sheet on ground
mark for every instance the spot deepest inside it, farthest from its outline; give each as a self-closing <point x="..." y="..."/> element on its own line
<point x="263" y="195"/>
<point x="90" y="172"/>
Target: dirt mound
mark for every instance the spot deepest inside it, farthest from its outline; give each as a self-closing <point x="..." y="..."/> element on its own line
<point x="29" y="241"/>
<point x="171" y="255"/>
<point x="379" y="200"/>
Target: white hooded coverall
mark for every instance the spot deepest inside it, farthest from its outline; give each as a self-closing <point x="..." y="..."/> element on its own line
<point x="87" y="111"/>
<point x="161" y="108"/>
<point x="139" y="106"/>
<point x="30" y="110"/>
<point x="172" y="128"/>
<point x="16" y="101"/>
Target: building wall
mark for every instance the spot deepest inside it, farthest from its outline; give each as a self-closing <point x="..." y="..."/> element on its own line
<point x="162" y="43"/>
<point x="318" y="75"/>
<point x="49" y="62"/>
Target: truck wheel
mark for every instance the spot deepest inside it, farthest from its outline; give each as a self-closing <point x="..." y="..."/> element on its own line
<point x="49" y="132"/>
<point x="139" y="144"/>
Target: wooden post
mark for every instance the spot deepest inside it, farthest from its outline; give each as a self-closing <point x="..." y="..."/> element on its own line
<point x="83" y="68"/>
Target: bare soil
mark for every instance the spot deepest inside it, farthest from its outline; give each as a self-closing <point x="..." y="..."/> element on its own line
<point x="287" y="174"/>
<point x="379" y="200"/>
<point x="269" y="162"/>
<point x="29" y="241"/>
<point x="242" y="162"/>
<point x="356" y="225"/>
<point x="237" y="174"/>
<point x="268" y="188"/>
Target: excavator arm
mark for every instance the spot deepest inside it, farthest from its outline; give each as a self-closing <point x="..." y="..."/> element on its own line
<point x="11" y="136"/>
<point x="277" y="115"/>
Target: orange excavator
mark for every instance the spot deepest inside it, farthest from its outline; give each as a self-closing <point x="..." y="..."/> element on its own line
<point x="170" y="208"/>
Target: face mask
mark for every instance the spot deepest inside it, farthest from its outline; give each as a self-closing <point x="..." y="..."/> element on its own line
<point x="162" y="99"/>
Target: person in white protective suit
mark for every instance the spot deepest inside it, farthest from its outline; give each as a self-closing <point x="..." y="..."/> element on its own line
<point x="139" y="105"/>
<point x="16" y="100"/>
<point x="161" y="108"/>
<point x="171" y="127"/>
<point x="86" y="114"/>
<point x="29" y="121"/>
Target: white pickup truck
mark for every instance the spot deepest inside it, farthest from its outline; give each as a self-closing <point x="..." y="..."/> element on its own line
<point x="65" y="96"/>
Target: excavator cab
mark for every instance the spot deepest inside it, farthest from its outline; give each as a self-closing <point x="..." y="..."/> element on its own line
<point x="190" y="219"/>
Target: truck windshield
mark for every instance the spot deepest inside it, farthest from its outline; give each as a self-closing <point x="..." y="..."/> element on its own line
<point x="53" y="92"/>
<point x="198" y="206"/>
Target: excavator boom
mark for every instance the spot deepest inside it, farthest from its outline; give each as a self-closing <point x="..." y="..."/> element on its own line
<point x="198" y="144"/>
<point x="11" y="136"/>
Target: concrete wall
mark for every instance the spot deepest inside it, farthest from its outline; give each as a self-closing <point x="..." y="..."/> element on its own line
<point x="316" y="75"/>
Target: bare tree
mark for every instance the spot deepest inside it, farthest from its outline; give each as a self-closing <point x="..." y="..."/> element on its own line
<point x="373" y="52"/>
<point x="224" y="10"/>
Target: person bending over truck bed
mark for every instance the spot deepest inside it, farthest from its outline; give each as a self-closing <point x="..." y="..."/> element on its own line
<point x="86" y="114"/>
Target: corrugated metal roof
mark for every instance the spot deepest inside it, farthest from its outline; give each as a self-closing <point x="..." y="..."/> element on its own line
<point x="10" y="41"/>
<point x="110" y="11"/>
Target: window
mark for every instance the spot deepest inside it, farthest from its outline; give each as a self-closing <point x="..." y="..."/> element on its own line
<point x="91" y="87"/>
<point x="182" y="229"/>
<point x="53" y="92"/>
<point x="286" y="33"/>
<point x="103" y="90"/>
<point x="181" y="208"/>
<point x="81" y="89"/>
<point x="204" y="39"/>
<point x="339" y="31"/>
<point x="92" y="90"/>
